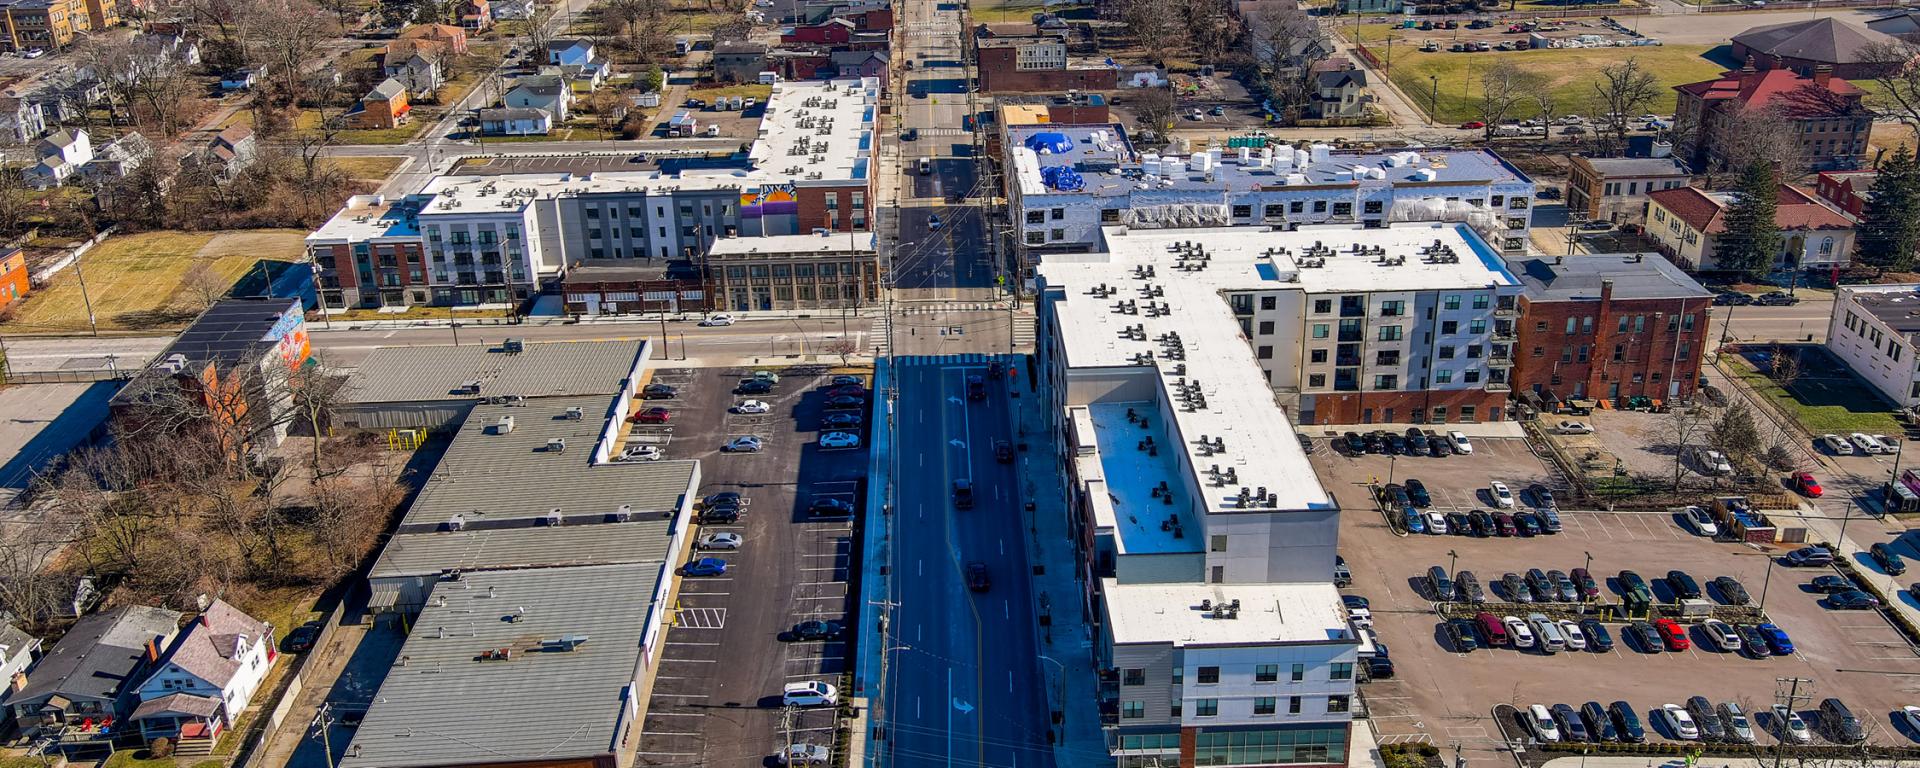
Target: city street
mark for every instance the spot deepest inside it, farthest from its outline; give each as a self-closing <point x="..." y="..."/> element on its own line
<point x="940" y="241"/>
<point x="963" y="680"/>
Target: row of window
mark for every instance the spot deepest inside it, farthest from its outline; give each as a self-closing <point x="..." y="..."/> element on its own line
<point x="1262" y="705"/>
<point x="1262" y="673"/>
<point x="1356" y="305"/>
<point x="1318" y="745"/>
<point x="1635" y="323"/>
<point x="462" y="236"/>
<point x="782" y="271"/>
<point x="1865" y="330"/>
<point x="1571" y="353"/>
<point x="1633" y="187"/>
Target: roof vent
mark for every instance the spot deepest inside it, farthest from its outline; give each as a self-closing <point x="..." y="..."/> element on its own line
<point x="554" y="517"/>
<point x="563" y="643"/>
<point x="471" y="387"/>
<point x="575" y="413"/>
<point x="504" y="426"/>
<point x="557" y="445"/>
<point x="623" y="514"/>
<point x="456" y="522"/>
<point x="513" y="346"/>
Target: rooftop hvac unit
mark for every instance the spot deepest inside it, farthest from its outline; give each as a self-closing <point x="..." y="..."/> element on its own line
<point x="564" y="643"/>
<point x="504" y="426"/>
<point x="557" y="445"/>
<point x="554" y="517"/>
<point x="456" y="522"/>
<point x="471" y="387"/>
<point x="574" y="413"/>
<point x="623" y="514"/>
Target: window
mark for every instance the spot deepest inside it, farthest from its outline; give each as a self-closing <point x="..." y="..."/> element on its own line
<point x="1386" y="381"/>
<point x="1317" y="356"/>
<point x="1266" y="352"/>
<point x="1179" y="675"/>
<point x="1036" y="217"/>
<point x="1477" y="327"/>
<point x="1206" y="707"/>
<point x="1336" y="704"/>
<point x="1449" y="327"/>
<point x="1266" y="673"/>
<point x="1387" y="357"/>
<point x="1389" y="333"/>
<point x="1539" y="351"/>
<point x="1217" y="543"/>
<point x="1209" y="675"/>
<point x="1452" y="302"/>
<point x="1299" y="672"/>
<point x="1316" y="380"/>
<point x="1480" y="302"/>
<point x="1058" y="214"/>
<point x="1133" y="710"/>
<point x="1623" y="323"/>
<point x="1619" y="352"/>
<point x="1266" y="327"/>
<point x="1446" y="352"/>
<point x="1586" y="324"/>
<point x="1265" y="705"/>
<point x="1343" y="209"/>
<point x="1319" y="206"/>
<point x="1293" y="705"/>
<point x="1470" y="377"/>
<point x="1274" y="211"/>
<point x="1109" y="215"/>
<point x="1341" y="671"/>
<point x="1371" y="206"/>
<point x="1319" y="330"/>
<point x="1686" y="323"/>
<point x="1297" y="207"/>
<point x="1583" y="353"/>
<point x="1269" y="303"/>
<point x="1392" y="308"/>
<point x="1133" y="676"/>
<point x="1442" y="376"/>
<point x="1473" y="351"/>
<point x="1243" y="211"/>
<point x="1322" y="306"/>
<point x="1573" y="324"/>
<point x="1057" y="234"/>
<point x="1036" y="238"/>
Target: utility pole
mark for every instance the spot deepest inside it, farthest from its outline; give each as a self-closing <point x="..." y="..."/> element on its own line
<point x="1790" y="697"/>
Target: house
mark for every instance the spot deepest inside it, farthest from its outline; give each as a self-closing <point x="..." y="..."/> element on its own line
<point x="872" y="64"/>
<point x="15" y="282"/>
<point x="120" y="157"/>
<point x="505" y="10"/>
<point x="61" y="156"/>
<point x="738" y="61"/>
<point x="231" y="151"/>
<point x="515" y="121"/>
<point x="155" y="52"/>
<point x="578" y="60"/>
<point x="453" y="37"/>
<point x="1827" y="114"/>
<point x="22" y="120"/>
<point x="89" y="678"/>
<point x="18" y="650"/>
<point x="206" y="679"/>
<point x="1615" y="188"/>
<point x="1339" y="94"/>
<point x="1036" y="63"/>
<point x="546" y="92"/>
<point x="242" y="79"/>
<point x="385" y="106"/>
<point x="1805" y="46"/>
<point x="1846" y="190"/>
<point x="475" y="15"/>
<point x="420" y="73"/>
<point x="1687" y="223"/>
<point x="829" y="32"/>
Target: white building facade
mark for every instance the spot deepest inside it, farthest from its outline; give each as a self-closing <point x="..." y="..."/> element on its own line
<point x="1873" y="330"/>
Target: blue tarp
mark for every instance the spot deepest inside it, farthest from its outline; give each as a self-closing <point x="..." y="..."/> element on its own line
<point x="1049" y="143"/>
<point x="1062" y="178"/>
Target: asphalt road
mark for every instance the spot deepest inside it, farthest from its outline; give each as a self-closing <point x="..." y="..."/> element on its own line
<point x="346" y="344"/>
<point x="1795" y="323"/>
<point x="964" y="684"/>
<point x="949" y="260"/>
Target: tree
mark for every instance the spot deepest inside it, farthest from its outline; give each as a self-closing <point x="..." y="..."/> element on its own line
<point x="1154" y="108"/>
<point x="1752" y="238"/>
<point x="1278" y="36"/>
<point x="1210" y="27"/>
<point x="1680" y="429"/>
<point x="1891" y="67"/>
<point x="1157" y="26"/>
<point x="1735" y="434"/>
<point x="1622" y="91"/>
<point x="608" y="107"/>
<point x="289" y="31"/>
<point x="1757" y="136"/>
<point x="1889" y="233"/>
<point x="653" y="80"/>
<point x="842" y="346"/>
<point x="1502" y="88"/>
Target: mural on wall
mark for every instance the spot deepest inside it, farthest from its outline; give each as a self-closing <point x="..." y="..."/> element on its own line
<point x="770" y="210"/>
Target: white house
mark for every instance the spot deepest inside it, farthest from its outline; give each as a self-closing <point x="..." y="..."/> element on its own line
<point x="120" y="157"/>
<point x="515" y="121"/>
<point x="61" y="156"/>
<point x="22" y="120"/>
<point x="547" y="92"/>
<point x="512" y="9"/>
<point x="206" y="678"/>
<point x="577" y="60"/>
<point x="1875" y="330"/>
<point x="241" y="80"/>
<point x="418" y="73"/>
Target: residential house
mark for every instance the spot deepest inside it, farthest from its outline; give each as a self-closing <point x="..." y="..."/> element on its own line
<point x="61" y="156"/>
<point x="66" y="93"/>
<point x="1339" y="94"/>
<point x="454" y="37"/>
<point x="119" y="158"/>
<point x="475" y="15"/>
<point x="1827" y="114"/>
<point x="505" y="10"/>
<point x="1615" y="188"/>
<point x="90" y="677"/>
<point x="206" y="679"/>
<point x="156" y="52"/>
<point x="547" y="92"/>
<point x="22" y="119"/>
<point x="242" y="79"/>
<point x="872" y="64"/>
<point x="18" y="650"/>
<point x="1847" y="190"/>
<point x="739" y="61"/>
<point x="420" y="73"/>
<point x="1687" y="224"/>
<point x="15" y="282"/>
<point x="829" y="32"/>
<point x="1368" y="6"/>
<point x="515" y="121"/>
<point x="578" y="60"/>
<point x="231" y="151"/>
<point x="385" y="106"/>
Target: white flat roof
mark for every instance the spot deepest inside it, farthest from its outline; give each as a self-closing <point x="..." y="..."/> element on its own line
<point x="1269" y="613"/>
<point x="368" y="217"/>
<point x="834" y="242"/>
<point x="1130" y="507"/>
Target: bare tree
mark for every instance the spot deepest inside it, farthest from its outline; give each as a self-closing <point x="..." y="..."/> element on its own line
<point x="1154" y="108"/>
<point x="1157" y="26"/>
<point x="288" y="31"/>
<point x="1211" y="27"/>
<point x="1279" y="35"/>
<point x="204" y="285"/>
<point x="1503" y="87"/>
<point x="844" y="347"/>
<point x="1680" y="429"/>
<point x="1753" y="136"/>
<point x="1891" y="65"/>
<point x="609" y="107"/>
<point x="1622" y="91"/>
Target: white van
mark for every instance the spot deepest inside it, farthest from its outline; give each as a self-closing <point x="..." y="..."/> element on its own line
<point x="810" y="693"/>
<point x="1551" y="640"/>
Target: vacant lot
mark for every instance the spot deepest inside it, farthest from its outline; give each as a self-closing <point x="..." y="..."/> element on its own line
<point x="151" y="280"/>
<point x="367" y="168"/>
<point x="1570" y="72"/>
<point x="1823" y="397"/>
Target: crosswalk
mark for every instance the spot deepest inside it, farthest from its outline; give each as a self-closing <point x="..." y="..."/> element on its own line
<point x="974" y="358"/>
<point x="1023" y="332"/>
<point x="949" y="307"/>
<point x="877" y="336"/>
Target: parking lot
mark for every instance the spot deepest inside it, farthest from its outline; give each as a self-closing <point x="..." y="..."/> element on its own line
<point x="717" y="697"/>
<point x="1456" y="482"/>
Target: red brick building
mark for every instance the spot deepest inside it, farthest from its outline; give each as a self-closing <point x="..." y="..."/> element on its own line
<point x="1036" y="64"/>
<point x="626" y="286"/>
<point x="1609" y="326"/>
<point x="1827" y="113"/>
<point x="1846" y="190"/>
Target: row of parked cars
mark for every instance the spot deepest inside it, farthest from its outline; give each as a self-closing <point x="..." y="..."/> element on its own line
<point x="1481" y="523"/>
<point x="1549" y="636"/>
<point x="1698" y="720"/>
<point x="1860" y="443"/>
<point x="1413" y="442"/>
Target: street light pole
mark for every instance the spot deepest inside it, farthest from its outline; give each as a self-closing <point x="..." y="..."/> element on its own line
<point x="1766" y="581"/>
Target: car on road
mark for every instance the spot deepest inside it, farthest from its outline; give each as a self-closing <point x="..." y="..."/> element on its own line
<point x="1646" y="636"/>
<point x="1835" y="445"/>
<point x="804" y="754"/>
<point x="1700" y="521"/>
<point x="743" y="444"/>
<point x="716" y="320"/>
<point x="1540" y="719"/>
<point x="815" y="629"/>
<point x="809" y="693"/>
<point x="933" y="222"/>
<point x="1598" y="639"/>
<point x="1776" y="299"/>
<point x="827" y="505"/>
<point x="753" y="387"/>
<point x="1596" y="225"/>
<point x="1888" y="560"/>
<point x="1003" y="451"/>
<point x="1572" y="428"/>
<point x="1806" y="485"/>
<point x="1683" y="585"/>
<point x="1788" y="726"/>
<point x="641" y="453"/>
<point x="719" y="541"/>
<point x="751" y="407"/>
<point x="1472" y="125"/>
<point x="705" y="566"/>
<point x="1777" y="640"/>
<point x="1721" y="634"/>
<point x="1502" y="495"/>
<point x="1679" y="723"/>
<point x="963" y="494"/>
<point x="1732" y="592"/>
<point x="1672" y="634"/>
<point x="657" y="392"/>
<point x="653" y="415"/>
<point x="1853" y="600"/>
<point x="978" y="578"/>
<point x="839" y="440"/>
<point x="1805" y="557"/>
<point x="302" y="637"/>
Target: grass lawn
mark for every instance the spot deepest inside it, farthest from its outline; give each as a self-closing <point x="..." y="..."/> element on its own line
<point x="414" y="313"/>
<point x="370" y="168"/>
<point x="141" y="281"/>
<point x="1569" y="71"/>
<point x="1823" y="403"/>
<point x="743" y="90"/>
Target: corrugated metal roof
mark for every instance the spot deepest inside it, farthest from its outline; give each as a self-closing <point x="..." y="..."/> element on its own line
<point x="495" y="480"/>
<point x="442" y="705"/>
<point x="641" y="541"/>
<point x="544" y="369"/>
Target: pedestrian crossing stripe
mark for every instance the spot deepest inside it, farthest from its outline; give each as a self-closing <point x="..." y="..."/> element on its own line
<point x="939" y="360"/>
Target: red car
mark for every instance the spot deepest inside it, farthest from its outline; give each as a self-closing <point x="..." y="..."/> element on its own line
<point x="1806" y="485"/>
<point x="1674" y="634"/>
<point x="654" y="415"/>
<point x="1473" y="125"/>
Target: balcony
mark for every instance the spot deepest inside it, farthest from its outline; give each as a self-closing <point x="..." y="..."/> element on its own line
<point x="1499" y="386"/>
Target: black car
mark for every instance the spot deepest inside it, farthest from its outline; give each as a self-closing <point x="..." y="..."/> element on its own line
<point x="1853" y="600"/>
<point x="1460" y="633"/>
<point x="1711" y="729"/>
<point x="844" y="403"/>
<point x="1396" y="495"/>
<point x="1466" y="587"/>
<point x="1732" y="592"/>
<point x="1458" y="524"/>
<point x="1396" y="444"/>
<point x="1417" y="491"/>
<point x="841" y="420"/>
<point x="1631" y="582"/>
<point x="1541" y="585"/>
<point x="1831" y="583"/>
<point x="1003" y="452"/>
<point x="843" y="380"/>
<point x="816" y="630"/>
<point x="1482" y="523"/>
<point x="1375" y="442"/>
<point x="1516" y="591"/>
<point x="1306" y="443"/>
<point x="1683" y="586"/>
<point x="1777" y="299"/>
<point x="721" y="499"/>
<point x="1599" y="723"/>
<point x="1886" y="558"/>
<point x="1753" y="641"/>
<point x="1416" y="442"/>
<point x="1542" y="495"/>
<point x="1598" y="640"/>
<point x="1731" y="299"/>
<point x="976" y="387"/>
<point x="978" y="579"/>
<point x="1627" y="722"/>
<point x="1529" y="523"/>
<point x="1354" y="443"/>
<point x="657" y="392"/>
<point x="1354" y="602"/>
<point x="720" y="514"/>
<point x="1571" y="729"/>
<point x="301" y="638"/>
<point x="829" y="506"/>
<point x="753" y="387"/>
<point x="1647" y="637"/>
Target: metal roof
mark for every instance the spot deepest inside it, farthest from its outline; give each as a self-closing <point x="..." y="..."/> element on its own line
<point x="1578" y="278"/>
<point x="544" y="369"/>
<point x="511" y="480"/>
<point x="441" y="704"/>
<point x="642" y="541"/>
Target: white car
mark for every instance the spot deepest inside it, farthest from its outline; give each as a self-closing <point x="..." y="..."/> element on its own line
<point x="1679" y="722"/>
<point x="717" y="320"/>
<point x="1890" y="443"/>
<point x="641" y="453"/>
<point x="1737" y="723"/>
<point x="1710" y="461"/>
<point x="1436" y="523"/>
<point x="1835" y="445"/>
<point x="1789" y="727"/>
<point x="1701" y="522"/>
<point x="742" y="444"/>
<point x="1460" y="443"/>
<point x="1360" y="617"/>
<point x="1542" y="722"/>
<point x="1721" y="634"/>
<point x="1865" y="443"/>
<point x="803" y="754"/>
<point x="1911" y="717"/>
<point x="1576" y="639"/>
<point x="839" y="440"/>
<point x="809" y="693"/>
<point x="1518" y="630"/>
<point x="34" y="53"/>
<point x="1573" y="428"/>
<point x="1502" y="495"/>
<point x="752" y="406"/>
<point x="725" y="540"/>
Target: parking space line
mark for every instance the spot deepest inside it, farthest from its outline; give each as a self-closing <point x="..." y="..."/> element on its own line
<point x="652" y="713"/>
<point x="672" y="733"/>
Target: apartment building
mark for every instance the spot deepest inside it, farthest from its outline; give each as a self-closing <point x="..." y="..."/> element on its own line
<point x="1610" y="325"/>
<point x="1615" y="189"/>
<point x="491" y="238"/>
<point x="1066" y="182"/>
<point x="824" y="271"/>
<point x="52" y="24"/>
<point x="1875" y="330"/>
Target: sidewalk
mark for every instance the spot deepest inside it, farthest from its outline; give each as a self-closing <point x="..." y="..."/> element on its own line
<point x="1066" y="645"/>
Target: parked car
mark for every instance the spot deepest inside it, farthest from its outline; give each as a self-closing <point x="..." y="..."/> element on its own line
<point x="1679" y="723"/>
<point x="640" y="453"/>
<point x="302" y="637"/>
<point x="1627" y="722"/>
<point x="1572" y="728"/>
<point x="814" y="629"/>
<point x="1542" y="496"/>
<point x="1732" y="592"/>
<point x="1529" y="523"/>
<point x="1853" y="600"/>
<point x="705" y="566"/>
<point x="845" y="403"/>
<point x="1417" y="491"/>
<point x="1864" y="443"/>
<point x="1777" y="640"/>
<point x="1631" y="583"/>
<point x="1839" y="723"/>
<point x="1439" y="584"/>
<point x="1457" y="441"/>
<point x="718" y="319"/>
<point x="1706" y="719"/>
<point x="1514" y="589"/>
<point x="1541" y="720"/>
<point x="1598" y="640"/>
<point x="657" y="392"/>
<point x="1572" y="428"/>
<point x="719" y="541"/>
<point x="1835" y="445"/>
<point x="844" y="379"/>
<point x="1461" y="635"/>
<point x="1541" y="585"/>
<point x="1887" y="559"/>
<point x="1672" y="634"/>
<point x="752" y="407"/>
<point x="841" y="420"/>
<point x="1504" y="524"/>
<point x="1467" y="587"/>
<point x="829" y="506"/>
<point x="1776" y="299"/>
<point x="1458" y="524"/>
<point x="803" y="753"/>
<point x="1788" y="726"/>
<point x="753" y="387"/>
<point x="1518" y="630"/>
<point x="1415" y="522"/>
<point x="839" y="440"/>
<point x="743" y="444"/>
<point x="1584" y="584"/>
<point x="1806" y="485"/>
<point x="810" y="693"/>
<point x="1810" y="557"/>
<point x="1721" y="634"/>
<point x="1648" y="638"/>
<point x="1358" y="611"/>
<point x="1483" y="525"/>
<point x="1563" y="587"/>
<point x="1502" y="495"/>
<point x="1753" y="642"/>
<point x="1831" y="583"/>
<point x="1599" y="724"/>
<point x="1354" y="443"/>
<point x="1576" y="640"/>
<point x="1436" y="523"/>
<point x="1683" y="585"/>
<point x="1700" y="521"/>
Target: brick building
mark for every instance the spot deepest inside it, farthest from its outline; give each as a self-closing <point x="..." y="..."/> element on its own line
<point x="1036" y="63"/>
<point x="628" y="286"/>
<point x="1846" y="190"/>
<point x="1609" y="326"/>
<point x="1827" y="114"/>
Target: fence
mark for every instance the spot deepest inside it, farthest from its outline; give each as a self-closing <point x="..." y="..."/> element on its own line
<point x="46" y="272"/>
<point x="1802" y="4"/>
<point x="63" y="377"/>
<point x="255" y="747"/>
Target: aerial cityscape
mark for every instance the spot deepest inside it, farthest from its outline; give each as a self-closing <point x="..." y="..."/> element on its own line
<point x="936" y="383"/>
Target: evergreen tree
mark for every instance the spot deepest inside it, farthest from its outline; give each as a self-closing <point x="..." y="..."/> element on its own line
<point x="1890" y="225"/>
<point x="1752" y="238"/>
